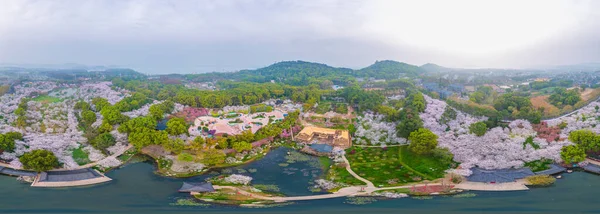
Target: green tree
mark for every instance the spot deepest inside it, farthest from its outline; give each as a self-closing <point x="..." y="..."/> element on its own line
<point x="39" y="160"/>
<point x="572" y="154"/>
<point x="100" y="103"/>
<point x="89" y="117"/>
<point x="156" y="111"/>
<point x="197" y="144"/>
<point x="137" y="124"/>
<point x="7" y="140"/>
<point x="409" y="122"/>
<point x="221" y="143"/>
<point x="478" y="128"/>
<point x="104" y="141"/>
<point x="177" y="126"/>
<point x="241" y="146"/>
<point x="112" y="115"/>
<point x="174" y="145"/>
<point x="585" y="139"/>
<point x="105" y="127"/>
<point x="82" y="105"/>
<point x="422" y="141"/>
<point x="213" y="157"/>
<point x="6" y="145"/>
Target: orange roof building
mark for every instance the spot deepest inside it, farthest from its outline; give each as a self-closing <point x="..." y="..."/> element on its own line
<point x="332" y="137"/>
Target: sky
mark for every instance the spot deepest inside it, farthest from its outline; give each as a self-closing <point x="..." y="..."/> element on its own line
<point x="160" y="36"/>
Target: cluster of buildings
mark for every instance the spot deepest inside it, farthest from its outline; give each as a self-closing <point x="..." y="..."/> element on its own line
<point x="312" y="135"/>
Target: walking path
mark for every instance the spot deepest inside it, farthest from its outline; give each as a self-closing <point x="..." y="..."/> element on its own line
<point x="509" y="186"/>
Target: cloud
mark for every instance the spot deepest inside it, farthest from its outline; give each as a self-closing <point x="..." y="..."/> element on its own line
<point x="206" y="35"/>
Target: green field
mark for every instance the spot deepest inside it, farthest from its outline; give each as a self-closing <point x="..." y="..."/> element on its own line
<point x="394" y="166"/>
<point x="46" y="99"/>
<point x="80" y="156"/>
<point x="380" y="166"/>
<point x="426" y="165"/>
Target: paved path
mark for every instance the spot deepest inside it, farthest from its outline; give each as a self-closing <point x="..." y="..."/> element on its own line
<point x="509" y="186"/>
<point x="85" y="182"/>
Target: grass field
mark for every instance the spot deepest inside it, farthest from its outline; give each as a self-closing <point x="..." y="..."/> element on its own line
<point x="46" y="99"/>
<point x="394" y="166"/>
<point x="380" y="166"/>
<point x="425" y="165"/>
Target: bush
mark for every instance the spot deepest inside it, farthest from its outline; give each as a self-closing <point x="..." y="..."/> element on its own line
<point x="540" y="180"/>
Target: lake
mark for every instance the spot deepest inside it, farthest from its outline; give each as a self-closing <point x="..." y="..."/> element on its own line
<point x="136" y="189"/>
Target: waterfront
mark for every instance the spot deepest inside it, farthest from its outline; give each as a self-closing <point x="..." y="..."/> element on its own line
<point x="136" y="189"/>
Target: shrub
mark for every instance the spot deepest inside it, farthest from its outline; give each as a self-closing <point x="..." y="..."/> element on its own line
<point x="540" y="180"/>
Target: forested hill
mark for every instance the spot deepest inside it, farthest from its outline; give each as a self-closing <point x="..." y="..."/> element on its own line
<point x="302" y="73"/>
<point x="389" y="69"/>
<point x="295" y="72"/>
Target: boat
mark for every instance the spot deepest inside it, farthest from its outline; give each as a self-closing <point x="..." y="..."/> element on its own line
<point x="569" y="171"/>
<point x="559" y="177"/>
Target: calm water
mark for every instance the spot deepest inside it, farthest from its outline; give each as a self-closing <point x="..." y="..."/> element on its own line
<point x="136" y="189"/>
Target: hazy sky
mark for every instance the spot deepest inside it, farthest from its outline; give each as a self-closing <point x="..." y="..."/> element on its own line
<point x="156" y="36"/>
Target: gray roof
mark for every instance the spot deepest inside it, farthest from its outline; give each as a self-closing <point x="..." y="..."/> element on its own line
<point x="71" y="175"/>
<point x="196" y="187"/>
<point x="592" y="168"/>
<point x="554" y="169"/>
<point x="498" y="175"/>
<point x="16" y="172"/>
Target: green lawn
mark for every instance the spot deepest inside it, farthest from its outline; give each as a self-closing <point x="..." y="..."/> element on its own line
<point x="427" y="165"/>
<point x="46" y="99"/>
<point x="394" y="166"/>
<point x="381" y="166"/>
<point x="80" y="156"/>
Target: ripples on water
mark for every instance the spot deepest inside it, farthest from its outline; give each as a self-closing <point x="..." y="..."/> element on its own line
<point x="136" y="189"/>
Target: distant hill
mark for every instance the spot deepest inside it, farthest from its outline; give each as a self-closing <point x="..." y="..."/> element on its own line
<point x="389" y="69"/>
<point x="293" y="72"/>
